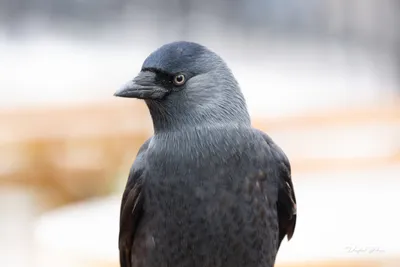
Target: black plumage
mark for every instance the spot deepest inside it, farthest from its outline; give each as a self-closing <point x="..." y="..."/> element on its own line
<point x="206" y="189"/>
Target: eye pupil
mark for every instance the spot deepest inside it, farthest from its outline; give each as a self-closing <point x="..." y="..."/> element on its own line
<point x="179" y="79"/>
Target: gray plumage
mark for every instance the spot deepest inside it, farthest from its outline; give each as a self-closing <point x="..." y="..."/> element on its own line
<point x="206" y="189"/>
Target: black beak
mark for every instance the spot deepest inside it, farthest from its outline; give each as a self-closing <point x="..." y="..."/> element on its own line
<point x="142" y="87"/>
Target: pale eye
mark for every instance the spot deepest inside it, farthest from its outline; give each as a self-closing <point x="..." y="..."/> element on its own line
<point x="179" y="79"/>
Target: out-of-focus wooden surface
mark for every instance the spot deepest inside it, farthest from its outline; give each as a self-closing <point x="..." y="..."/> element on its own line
<point x="68" y="149"/>
<point x="382" y="113"/>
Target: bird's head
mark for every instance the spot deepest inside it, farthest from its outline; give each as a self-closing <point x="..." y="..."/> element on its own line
<point x="186" y="84"/>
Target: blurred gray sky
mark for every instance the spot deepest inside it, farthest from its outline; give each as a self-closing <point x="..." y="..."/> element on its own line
<point x="370" y="22"/>
<point x="56" y="50"/>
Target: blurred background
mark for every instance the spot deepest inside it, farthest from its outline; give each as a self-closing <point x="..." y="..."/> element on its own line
<point x="322" y="77"/>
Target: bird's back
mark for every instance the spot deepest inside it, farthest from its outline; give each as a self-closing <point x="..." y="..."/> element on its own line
<point x="207" y="202"/>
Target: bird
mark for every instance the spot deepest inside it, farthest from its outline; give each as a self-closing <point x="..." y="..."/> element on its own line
<point x="206" y="189"/>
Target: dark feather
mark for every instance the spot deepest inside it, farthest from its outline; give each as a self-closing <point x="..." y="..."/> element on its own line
<point x="286" y="204"/>
<point x="131" y="209"/>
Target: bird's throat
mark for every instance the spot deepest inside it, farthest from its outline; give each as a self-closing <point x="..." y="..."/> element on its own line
<point x="167" y="119"/>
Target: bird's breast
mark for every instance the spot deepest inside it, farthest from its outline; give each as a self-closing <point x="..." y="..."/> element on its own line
<point x="207" y="199"/>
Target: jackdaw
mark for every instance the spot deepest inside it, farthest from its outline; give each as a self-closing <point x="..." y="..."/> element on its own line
<point x="207" y="189"/>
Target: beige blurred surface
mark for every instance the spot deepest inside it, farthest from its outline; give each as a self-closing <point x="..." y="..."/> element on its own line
<point x="345" y="163"/>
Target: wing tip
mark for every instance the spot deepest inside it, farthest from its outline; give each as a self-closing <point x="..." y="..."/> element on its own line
<point x="290" y="231"/>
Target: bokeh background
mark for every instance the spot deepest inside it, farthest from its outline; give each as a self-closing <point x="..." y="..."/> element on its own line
<point x="322" y="77"/>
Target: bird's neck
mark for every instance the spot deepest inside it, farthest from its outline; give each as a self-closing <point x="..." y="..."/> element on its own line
<point x="175" y="120"/>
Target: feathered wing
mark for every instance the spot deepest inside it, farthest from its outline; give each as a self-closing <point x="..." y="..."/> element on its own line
<point x="131" y="209"/>
<point x="286" y="203"/>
